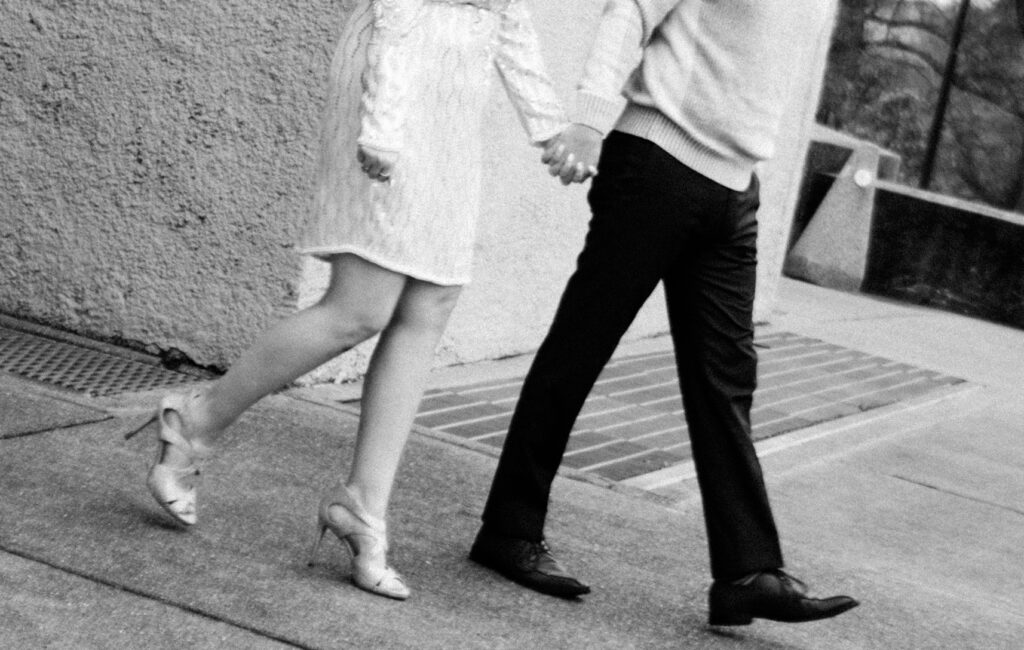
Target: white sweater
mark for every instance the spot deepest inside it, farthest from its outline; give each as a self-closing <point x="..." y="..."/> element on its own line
<point x="706" y="80"/>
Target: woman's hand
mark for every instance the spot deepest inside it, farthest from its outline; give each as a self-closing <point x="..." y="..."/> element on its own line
<point x="377" y="164"/>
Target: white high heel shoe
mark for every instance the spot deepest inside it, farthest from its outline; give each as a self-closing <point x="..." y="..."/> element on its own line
<point x="365" y="538"/>
<point x="171" y="485"/>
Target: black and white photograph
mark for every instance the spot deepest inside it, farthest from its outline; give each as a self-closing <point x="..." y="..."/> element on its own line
<point x="512" y="324"/>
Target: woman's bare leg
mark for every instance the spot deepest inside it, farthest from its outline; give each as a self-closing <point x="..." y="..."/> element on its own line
<point x="358" y="303"/>
<point x="394" y="386"/>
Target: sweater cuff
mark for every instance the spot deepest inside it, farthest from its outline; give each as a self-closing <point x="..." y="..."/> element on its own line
<point x="596" y="112"/>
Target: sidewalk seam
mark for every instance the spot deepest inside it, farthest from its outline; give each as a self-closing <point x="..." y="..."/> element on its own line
<point x="25" y="555"/>
<point x="65" y="427"/>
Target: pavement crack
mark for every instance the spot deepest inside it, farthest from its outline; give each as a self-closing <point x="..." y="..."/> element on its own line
<point x="63" y="427"/>
<point x="960" y="495"/>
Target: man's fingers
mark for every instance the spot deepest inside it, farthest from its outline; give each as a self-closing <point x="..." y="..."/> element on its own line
<point x="549" y="153"/>
<point x="579" y="173"/>
<point x="554" y="154"/>
<point x="565" y="162"/>
<point x="557" y="166"/>
<point x="377" y="165"/>
<point x="585" y="173"/>
<point x="568" y="170"/>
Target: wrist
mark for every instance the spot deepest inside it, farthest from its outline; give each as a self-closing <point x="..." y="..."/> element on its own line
<point x="597" y="113"/>
<point x="590" y="128"/>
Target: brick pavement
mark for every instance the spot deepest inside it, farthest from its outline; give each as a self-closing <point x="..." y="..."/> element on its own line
<point x="633" y="421"/>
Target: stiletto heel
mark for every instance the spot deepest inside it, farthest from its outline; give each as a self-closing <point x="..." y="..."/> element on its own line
<point x="164" y="480"/>
<point x="142" y="426"/>
<point x="321" y="531"/>
<point x="365" y="538"/>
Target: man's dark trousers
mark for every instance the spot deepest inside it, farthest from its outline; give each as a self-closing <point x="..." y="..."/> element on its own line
<point x="654" y="219"/>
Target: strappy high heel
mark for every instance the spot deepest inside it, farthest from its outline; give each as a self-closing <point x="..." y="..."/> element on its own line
<point x="172" y="486"/>
<point x="366" y="540"/>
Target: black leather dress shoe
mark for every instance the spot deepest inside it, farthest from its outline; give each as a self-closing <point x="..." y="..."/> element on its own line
<point x="528" y="563"/>
<point x="774" y="595"/>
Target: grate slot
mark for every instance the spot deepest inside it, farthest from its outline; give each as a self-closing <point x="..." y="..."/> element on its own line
<point x="81" y="369"/>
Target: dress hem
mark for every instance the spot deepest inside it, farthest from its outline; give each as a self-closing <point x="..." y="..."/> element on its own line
<point x="326" y="252"/>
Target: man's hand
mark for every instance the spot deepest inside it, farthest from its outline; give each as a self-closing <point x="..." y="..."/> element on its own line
<point x="377" y="164"/>
<point x="572" y="155"/>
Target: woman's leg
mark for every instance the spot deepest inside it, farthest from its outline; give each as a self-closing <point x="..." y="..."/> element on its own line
<point x="358" y="303"/>
<point x="394" y="386"/>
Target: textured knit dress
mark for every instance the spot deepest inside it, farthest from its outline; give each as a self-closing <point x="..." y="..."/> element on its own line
<point x="413" y="77"/>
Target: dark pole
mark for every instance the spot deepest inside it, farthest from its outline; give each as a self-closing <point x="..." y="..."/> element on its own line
<point x="935" y="134"/>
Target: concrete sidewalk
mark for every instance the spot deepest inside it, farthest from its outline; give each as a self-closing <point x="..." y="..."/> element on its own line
<point x="916" y="509"/>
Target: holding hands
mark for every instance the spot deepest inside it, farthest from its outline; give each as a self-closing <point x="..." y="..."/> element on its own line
<point x="377" y="164"/>
<point x="572" y="154"/>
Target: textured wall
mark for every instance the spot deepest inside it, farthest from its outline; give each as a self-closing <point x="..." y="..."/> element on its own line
<point x="155" y="157"/>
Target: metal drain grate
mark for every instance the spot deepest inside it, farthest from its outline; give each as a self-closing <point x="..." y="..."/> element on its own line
<point x="79" y="368"/>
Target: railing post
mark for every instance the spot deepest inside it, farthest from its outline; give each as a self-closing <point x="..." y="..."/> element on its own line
<point x="935" y="133"/>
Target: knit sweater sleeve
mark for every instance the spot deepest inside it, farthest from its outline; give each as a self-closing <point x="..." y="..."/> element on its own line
<point x="521" y="68"/>
<point x="626" y="26"/>
<point x="615" y="53"/>
<point x="383" y="106"/>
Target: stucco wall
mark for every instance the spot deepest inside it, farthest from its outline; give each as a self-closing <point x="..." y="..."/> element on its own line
<point x="155" y="159"/>
<point x="154" y="156"/>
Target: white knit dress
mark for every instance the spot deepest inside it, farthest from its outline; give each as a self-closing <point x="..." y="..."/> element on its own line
<point x="413" y="77"/>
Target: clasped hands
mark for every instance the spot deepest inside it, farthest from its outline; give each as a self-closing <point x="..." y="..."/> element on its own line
<point x="572" y="154"/>
<point x="376" y="163"/>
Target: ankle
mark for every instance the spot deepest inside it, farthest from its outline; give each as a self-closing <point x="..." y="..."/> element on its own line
<point x="185" y="438"/>
<point x="200" y="427"/>
<point x="373" y="506"/>
<point x="175" y="456"/>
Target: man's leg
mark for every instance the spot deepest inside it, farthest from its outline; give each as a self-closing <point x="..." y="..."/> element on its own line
<point x="710" y="299"/>
<point x="631" y="241"/>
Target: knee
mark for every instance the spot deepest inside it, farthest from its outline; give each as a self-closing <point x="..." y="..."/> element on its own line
<point x="426" y="311"/>
<point x="350" y="327"/>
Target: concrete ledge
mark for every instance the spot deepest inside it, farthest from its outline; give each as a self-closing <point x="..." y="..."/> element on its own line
<point x="831" y="227"/>
<point x="857" y="230"/>
<point x="946" y="253"/>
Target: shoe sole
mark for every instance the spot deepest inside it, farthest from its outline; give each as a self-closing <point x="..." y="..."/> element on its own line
<point x="569" y="593"/>
<point x="736" y="619"/>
